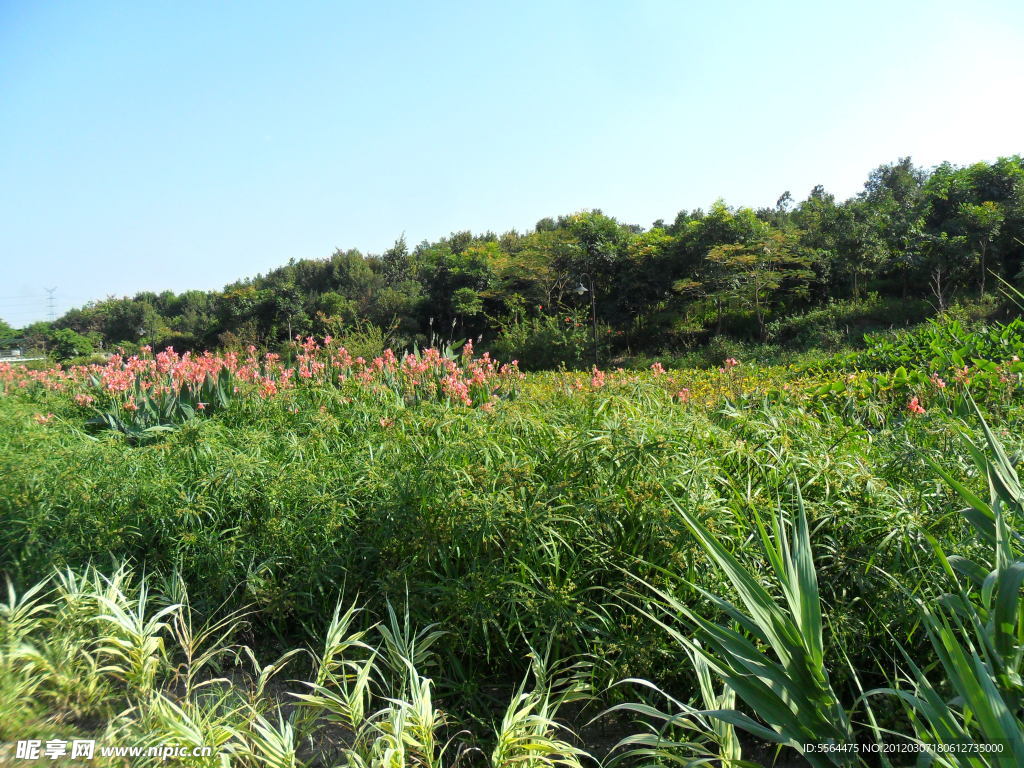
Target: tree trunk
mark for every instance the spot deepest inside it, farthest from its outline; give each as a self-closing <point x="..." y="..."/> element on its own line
<point x="937" y="288"/>
<point x="981" y="293"/>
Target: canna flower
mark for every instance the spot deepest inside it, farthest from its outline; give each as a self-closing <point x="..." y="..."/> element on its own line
<point x="466" y="381"/>
<point x="914" y="406"/>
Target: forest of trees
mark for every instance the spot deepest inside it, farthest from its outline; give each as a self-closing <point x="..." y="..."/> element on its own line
<point x="912" y="237"/>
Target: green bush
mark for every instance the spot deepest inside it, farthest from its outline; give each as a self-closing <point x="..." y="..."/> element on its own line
<point x="66" y="344"/>
<point x="549" y="341"/>
<point x="940" y="344"/>
<point x="842" y="323"/>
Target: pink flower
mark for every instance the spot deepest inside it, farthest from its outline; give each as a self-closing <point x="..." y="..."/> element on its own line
<point x="658" y="369"/>
<point x="937" y="381"/>
<point x="731" y="362"/>
<point x="43" y="419"/>
<point x="201" y="406"/>
<point x="683" y="395"/>
<point x="387" y="423"/>
<point x="914" y="406"/>
<point x="83" y="399"/>
<point x="597" y="378"/>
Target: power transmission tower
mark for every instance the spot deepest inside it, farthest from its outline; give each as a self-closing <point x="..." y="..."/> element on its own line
<point x="50" y="303"/>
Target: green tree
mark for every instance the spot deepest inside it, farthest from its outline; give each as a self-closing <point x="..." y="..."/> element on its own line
<point x="760" y="275"/>
<point x="467" y="303"/>
<point x="981" y="224"/>
<point x="895" y="209"/>
<point x="692" y="275"/>
<point x="600" y="242"/>
<point x="395" y="265"/>
<point x="66" y="344"/>
<point x="6" y="332"/>
<point x="129" y="320"/>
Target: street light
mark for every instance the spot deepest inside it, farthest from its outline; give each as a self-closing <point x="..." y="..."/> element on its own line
<point x="580" y="290"/>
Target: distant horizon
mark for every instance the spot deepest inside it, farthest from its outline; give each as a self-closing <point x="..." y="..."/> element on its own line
<point x="150" y="148"/>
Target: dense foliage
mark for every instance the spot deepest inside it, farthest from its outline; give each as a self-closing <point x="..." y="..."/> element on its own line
<point x="584" y="517"/>
<point x="914" y="240"/>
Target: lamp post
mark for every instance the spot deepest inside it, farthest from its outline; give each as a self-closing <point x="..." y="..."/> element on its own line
<point x="580" y="290"/>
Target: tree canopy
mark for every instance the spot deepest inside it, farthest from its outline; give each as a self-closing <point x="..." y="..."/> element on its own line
<point x="911" y="233"/>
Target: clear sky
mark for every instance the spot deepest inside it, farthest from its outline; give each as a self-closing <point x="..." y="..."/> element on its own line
<point x="177" y="145"/>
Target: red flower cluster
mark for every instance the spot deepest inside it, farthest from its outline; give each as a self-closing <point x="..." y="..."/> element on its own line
<point x="127" y="382"/>
<point x="915" y="407"/>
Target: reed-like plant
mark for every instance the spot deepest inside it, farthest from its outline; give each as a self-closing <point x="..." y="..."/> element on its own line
<point x="965" y="707"/>
<point x="972" y="696"/>
<point x="528" y="734"/>
<point x="772" y="653"/>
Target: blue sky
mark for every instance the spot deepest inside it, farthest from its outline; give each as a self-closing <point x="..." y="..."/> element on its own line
<point x="177" y="145"/>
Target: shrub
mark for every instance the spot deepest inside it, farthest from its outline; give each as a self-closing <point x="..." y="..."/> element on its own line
<point x="548" y="341"/>
<point x="66" y="344"/>
<point x="843" y="323"/>
<point x="940" y="344"/>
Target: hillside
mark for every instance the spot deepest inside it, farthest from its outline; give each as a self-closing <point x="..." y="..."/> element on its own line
<point x="800" y="274"/>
